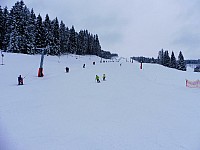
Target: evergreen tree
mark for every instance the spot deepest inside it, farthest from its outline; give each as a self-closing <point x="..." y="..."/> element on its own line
<point x="173" y="61"/>
<point x="161" y="57"/>
<point x="13" y="43"/>
<point x="2" y="28"/>
<point x="7" y="28"/>
<point x="72" y="45"/>
<point x="90" y="44"/>
<point x="80" y="43"/>
<point x="48" y="35"/>
<point x="181" y="62"/>
<point x="18" y="26"/>
<point x="40" y="34"/>
<point x="85" y="42"/>
<point x="22" y="26"/>
<point x="27" y="34"/>
<point x="67" y="34"/>
<point x="97" y="45"/>
<point x="63" y="38"/>
<point x="166" y="59"/>
<point x="56" y="37"/>
<point x="31" y="29"/>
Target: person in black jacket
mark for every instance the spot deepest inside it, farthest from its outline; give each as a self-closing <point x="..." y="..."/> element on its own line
<point x="67" y="69"/>
<point x="20" y="80"/>
<point x="104" y="77"/>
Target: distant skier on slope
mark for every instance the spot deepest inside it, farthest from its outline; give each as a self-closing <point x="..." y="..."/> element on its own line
<point x="67" y="69"/>
<point x="97" y="78"/>
<point x="20" y="80"/>
<point x="104" y="77"/>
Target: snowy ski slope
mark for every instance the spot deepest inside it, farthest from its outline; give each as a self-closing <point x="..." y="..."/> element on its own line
<point x="149" y="109"/>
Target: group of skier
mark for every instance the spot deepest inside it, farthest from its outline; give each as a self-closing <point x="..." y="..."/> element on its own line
<point x="97" y="78"/>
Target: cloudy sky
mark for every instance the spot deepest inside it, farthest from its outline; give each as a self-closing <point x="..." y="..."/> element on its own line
<point x="130" y="27"/>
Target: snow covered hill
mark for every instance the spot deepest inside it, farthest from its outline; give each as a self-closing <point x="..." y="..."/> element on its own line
<point x="149" y="109"/>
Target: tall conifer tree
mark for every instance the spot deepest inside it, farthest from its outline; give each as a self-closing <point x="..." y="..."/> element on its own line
<point x="56" y="37"/>
<point x="48" y="35"/>
<point x="72" y="41"/>
<point x="161" y="57"/>
<point x="31" y="29"/>
<point x="40" y="33"/>
<point x="2" y="27"/>
<point x="181" y="62"/>
<point x="173" y="61"/>
<point x="63" y="38"/>
<point x="7" y="26"/>
<point x="166" y="59"/>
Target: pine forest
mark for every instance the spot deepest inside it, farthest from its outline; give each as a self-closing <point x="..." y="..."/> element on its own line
<point x="24" y="32"/>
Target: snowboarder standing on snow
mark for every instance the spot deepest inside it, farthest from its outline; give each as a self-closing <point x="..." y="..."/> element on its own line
<point x="97" y="78"/>
<point x="104" y="77"/>
<point x="20" y="80"/>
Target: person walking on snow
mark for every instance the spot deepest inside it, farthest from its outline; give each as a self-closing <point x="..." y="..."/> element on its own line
<point x="20" y="80"/>
<point x="104" y="77"/>
<point x="97" y="78"/>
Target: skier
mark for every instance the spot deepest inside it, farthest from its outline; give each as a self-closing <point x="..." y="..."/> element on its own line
<point x="104" y="77"/>
<point x="83" y="65"/>
<point x="141" y="65"/>
<point x="97" y="78"/>
<point x="20" y="80"/>
<point x="67" y="69"/>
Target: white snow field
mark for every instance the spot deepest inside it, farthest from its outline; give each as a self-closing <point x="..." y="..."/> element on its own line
<point x="134" y="109"/>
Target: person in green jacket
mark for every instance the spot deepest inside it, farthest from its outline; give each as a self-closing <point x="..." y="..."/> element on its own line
<point x="97" y="78"/>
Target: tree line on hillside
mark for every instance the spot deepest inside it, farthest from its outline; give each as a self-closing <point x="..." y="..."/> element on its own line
<point x="193" y="63"/>
<point x="23" y="32"/>
<point x="165" y="60"/>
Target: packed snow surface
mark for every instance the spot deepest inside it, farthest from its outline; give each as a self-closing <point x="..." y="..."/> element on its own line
<point x="134" y="109"/>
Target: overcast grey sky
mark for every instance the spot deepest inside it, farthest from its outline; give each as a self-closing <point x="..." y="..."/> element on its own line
<point x="130" y="27"/>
